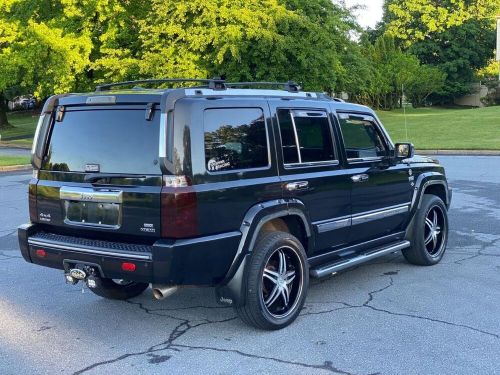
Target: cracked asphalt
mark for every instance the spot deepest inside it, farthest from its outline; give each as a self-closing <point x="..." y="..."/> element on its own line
<point x="385" y="317"/>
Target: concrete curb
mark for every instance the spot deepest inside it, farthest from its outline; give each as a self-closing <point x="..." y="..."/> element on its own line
<point x="459" y="152"/>
<point x="10" y="145"/>
<point x="15" y="168"/>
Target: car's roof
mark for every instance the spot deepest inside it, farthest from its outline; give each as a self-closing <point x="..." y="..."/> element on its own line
<point x="140" y="95"/>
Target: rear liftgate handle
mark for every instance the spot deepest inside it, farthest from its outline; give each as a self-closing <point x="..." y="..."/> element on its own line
<point x="297" y="186"/>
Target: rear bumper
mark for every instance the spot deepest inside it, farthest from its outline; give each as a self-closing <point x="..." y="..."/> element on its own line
<point x="199" y="261"/>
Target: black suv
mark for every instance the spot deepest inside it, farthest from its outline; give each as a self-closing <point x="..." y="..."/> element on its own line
<point x="250" y="190"/>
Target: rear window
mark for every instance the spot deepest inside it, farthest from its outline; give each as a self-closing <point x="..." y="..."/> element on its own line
<point x="235" y="139"/>
<point x="104" y="140"/>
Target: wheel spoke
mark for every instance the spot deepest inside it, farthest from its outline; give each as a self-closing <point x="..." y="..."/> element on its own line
<point x="428" y="239"/>
<point x="282" y="262"/>
<point x="429" y="224"/>
<point x="435" y="219"/>
<point x="289" y="277"/>
<point x="273" y="296"/>
<point x="434" y="241"/>
<point x="285" y="293"/>
<point x="271" y="275"/>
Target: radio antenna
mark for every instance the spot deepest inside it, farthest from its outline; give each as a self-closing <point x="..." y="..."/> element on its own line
<point x="404" y="110"/>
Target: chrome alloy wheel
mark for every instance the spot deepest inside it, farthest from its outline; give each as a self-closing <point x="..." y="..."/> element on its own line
<point x="434" y="231"/>
<point x="282" y="281"/>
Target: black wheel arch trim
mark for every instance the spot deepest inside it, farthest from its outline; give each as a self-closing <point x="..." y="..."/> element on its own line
<point x="422" y="182"/>
<point x="231" y="289"/>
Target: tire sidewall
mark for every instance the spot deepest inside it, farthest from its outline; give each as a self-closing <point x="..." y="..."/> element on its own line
<point x="428" y="203"/>
<point x="261" y="254"/>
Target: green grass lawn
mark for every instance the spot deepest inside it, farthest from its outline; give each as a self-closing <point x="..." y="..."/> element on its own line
<point x="22" y="132"/>
<point x="14" y="160"/>
<point x="446" y="129"/>
<point x="428" y="128"/>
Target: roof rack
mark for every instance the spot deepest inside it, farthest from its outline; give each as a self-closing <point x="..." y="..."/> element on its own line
<point x="289" y="86"/>
<point x="214" y="84"/>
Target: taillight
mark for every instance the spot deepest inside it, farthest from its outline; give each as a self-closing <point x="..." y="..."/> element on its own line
<point x="129" y="267"/>
<point x="179" y="213"/>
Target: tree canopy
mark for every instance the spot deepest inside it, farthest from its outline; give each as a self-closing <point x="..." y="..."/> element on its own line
<point x="455" y="36"/>
<point x="54" y="46"/>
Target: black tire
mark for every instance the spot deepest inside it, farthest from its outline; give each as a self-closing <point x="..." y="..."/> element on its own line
<point x="111" y="289"/>
<point x="272" y="250"/>
<point x="431" y="218"/>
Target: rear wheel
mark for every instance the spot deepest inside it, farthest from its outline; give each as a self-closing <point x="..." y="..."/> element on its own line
<point x="118" y="289"/>
<point x="430" y="233"/>
<point x="277" y="282"/>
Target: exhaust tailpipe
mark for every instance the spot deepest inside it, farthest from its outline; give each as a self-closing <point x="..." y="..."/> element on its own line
<point x="161" y="291"/>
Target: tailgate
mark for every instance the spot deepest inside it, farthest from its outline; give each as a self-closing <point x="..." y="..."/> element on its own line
<point x="101" y="173"/>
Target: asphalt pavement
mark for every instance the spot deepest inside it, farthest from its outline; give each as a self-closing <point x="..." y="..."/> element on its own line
<point x="385" y="317"/>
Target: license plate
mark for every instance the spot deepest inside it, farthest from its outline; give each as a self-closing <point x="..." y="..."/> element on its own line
<point x="93" y="213"/>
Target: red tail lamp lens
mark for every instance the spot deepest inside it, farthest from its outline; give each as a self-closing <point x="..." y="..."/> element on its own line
<point x="129" y="267"/>
<point x="41" y="253"/>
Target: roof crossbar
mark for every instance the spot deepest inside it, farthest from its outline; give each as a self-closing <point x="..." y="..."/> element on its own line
<point x="214" y="84"/>
<point x="289" y="86"/>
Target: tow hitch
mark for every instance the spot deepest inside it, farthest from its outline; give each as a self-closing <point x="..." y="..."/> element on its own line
<point x="73" y="273"/>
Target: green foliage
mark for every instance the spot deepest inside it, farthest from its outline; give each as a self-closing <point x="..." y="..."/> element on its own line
<point x="244" y="40"/>
<point x="415" y="20"/>
<point x="455" y="36"/>
<point x="386" y="71"/>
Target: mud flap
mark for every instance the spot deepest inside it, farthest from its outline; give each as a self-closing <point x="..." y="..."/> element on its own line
<point x="233" y="292"/>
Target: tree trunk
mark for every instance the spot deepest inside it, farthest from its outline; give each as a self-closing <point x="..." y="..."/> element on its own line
<point x="4" y="122"/>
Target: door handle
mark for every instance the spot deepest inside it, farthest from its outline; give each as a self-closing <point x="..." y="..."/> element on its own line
<point x="360" y="177"/>
<point x="294" y="186"/>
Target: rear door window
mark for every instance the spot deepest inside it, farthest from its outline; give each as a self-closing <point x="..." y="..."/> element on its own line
<point x="106" y="141"/>
<point x="306" y="136"/>
<point x="235" y="138"/>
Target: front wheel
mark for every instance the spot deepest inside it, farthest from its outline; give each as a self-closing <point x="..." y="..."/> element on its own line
<point x="429" y="233"/>
<point x="277" y="282"/>
<point x="118" y="289"/>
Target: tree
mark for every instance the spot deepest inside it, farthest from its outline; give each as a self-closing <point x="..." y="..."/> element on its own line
<point x="37" y="52"/>
<point x="242" y="40"/>
<point x="458" y="52"/>
<point x="427" y="80"/>
<point x="456" y="36"/>
<point x="414" y="20"/>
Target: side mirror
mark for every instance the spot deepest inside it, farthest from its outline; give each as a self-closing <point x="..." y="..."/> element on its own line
<point x="404" y="151"/>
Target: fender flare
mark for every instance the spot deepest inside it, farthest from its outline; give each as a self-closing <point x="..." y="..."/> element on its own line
<point x="231" y="290"/>
<point x="423" y="181"/>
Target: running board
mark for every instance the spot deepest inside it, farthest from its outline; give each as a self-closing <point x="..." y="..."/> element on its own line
<point x="328" y="269"/>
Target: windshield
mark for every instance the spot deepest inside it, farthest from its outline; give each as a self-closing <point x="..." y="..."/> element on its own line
<point x="106" y="141"/>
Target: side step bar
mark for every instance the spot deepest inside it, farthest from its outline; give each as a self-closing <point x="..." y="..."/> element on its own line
<point x="342" y="264"/>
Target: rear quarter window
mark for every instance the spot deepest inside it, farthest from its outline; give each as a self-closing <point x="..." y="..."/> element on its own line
<point x="235" y="139"/>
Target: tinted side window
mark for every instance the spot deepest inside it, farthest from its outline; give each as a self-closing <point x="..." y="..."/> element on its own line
<point x="361" y="138"/>
<point x="306" y="136"/>
<point x="235" y="138"/>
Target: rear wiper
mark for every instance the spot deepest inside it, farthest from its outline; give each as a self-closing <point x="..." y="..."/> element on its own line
<point x="93" y="177"/>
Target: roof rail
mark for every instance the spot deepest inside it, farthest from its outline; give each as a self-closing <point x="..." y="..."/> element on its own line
<point x="214" y="84"/>
<point x="289" y="86"/>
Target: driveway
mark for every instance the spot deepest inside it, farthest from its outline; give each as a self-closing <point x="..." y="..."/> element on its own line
<point x="384" y="317"/>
